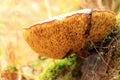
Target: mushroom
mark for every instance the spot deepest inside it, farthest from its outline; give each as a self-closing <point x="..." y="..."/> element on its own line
<point x="67" y="33"/>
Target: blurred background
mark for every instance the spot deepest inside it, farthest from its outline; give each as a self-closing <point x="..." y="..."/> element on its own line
<point x="17" y="14"/>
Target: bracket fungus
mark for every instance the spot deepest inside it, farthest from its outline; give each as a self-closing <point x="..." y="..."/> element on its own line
<point x="57" y="36"/>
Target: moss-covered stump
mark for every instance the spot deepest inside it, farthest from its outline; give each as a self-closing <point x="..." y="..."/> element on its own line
<point x="61" y="69"/>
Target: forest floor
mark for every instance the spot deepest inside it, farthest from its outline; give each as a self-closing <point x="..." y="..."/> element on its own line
<point x="19" y="62"/>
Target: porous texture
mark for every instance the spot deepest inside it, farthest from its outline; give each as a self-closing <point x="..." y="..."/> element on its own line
<point x="56" y="38"/>
<point x="103" y="21"/>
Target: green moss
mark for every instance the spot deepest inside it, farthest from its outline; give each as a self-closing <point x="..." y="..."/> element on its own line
<point x="57" y="68"/>
<point x="116" y="52"/>
<point x="68" y="76"/>
<point x="115" y="36"/>
<point x="38" y="62"/>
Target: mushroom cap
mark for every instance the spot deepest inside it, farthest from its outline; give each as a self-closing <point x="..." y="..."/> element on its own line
<point x="56" y="37"/>
<point x="102" y="22"/>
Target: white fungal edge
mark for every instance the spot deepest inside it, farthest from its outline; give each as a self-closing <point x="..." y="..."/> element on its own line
<point x="62" y="16"/>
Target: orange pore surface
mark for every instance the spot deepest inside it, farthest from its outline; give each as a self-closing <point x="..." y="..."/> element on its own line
<point x="56" y="37"/>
